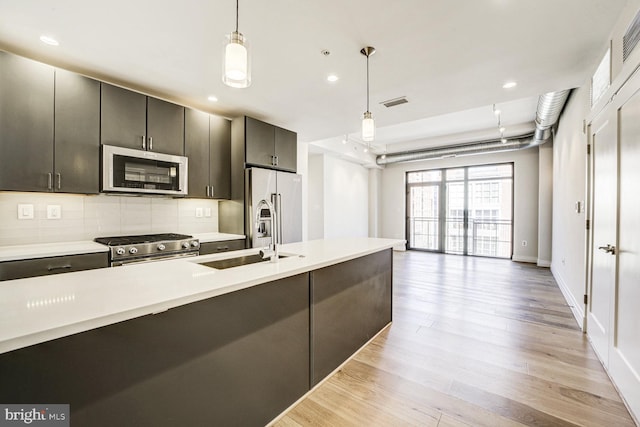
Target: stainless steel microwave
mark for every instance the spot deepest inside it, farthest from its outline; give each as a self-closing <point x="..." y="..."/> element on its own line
<point x="135" y="171"/>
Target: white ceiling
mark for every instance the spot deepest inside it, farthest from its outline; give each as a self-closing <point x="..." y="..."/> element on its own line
<point x="449" y="58"/>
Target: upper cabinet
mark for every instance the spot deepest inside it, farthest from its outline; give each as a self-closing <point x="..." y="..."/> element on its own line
<point x="26" y="124"/>
<point x="269" y="146"/>
<point x="208" y="147"/>
<point x="133" y="120"/>
<point x="47" y="143"/>
<point x="77" y="133"/>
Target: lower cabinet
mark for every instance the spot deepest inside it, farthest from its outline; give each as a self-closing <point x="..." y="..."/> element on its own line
<point x="207" y="248"/>
<point x="239" y="359"/>
<point x="350" y="303"/>
<point x="10" y="270"/>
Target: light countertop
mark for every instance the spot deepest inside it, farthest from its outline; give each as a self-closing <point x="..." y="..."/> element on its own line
<point x="44" y="250"/>
<point x="39" y="309"/>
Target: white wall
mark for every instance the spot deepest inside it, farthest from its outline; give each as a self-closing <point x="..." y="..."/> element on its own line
<point x="525" y="195"/>
<point x="338" y="202"/>
<point x="315" y="199"/>
<point x="569" y="186"/>
<point x="88" y="217"/>
<point x="346" y="199"/>
<point x="375" y="202"/>
<point x="545" y="202"/>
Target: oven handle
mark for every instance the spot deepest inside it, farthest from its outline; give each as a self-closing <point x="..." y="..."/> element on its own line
<point x="147" y="259"/>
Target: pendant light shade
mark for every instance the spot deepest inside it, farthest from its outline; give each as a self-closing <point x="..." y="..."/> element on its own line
<point x="368" y="125"/>
<point x="236" y="64"/>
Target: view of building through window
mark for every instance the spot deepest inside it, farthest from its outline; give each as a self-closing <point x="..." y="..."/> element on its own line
<point x="465" y="210"/>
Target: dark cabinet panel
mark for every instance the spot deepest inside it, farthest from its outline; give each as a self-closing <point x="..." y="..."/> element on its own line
<point x="196" y="148"/>
<point x="123" y="118"/>
<point x="208" y="147"/>
<point x="350" y="303"/>
<point x="10" y="270"/>
<point x="238" y="359"/>
<point x="77" y="133"/>
<point x="26" y="124"/>
<point x="207" y="248"/>
<point x="270" y="146"/>
<point x="165" y="127"/>
<point x="286" y="149"/>
<point x="220" y="157"/>
<point x="259" y="141"/>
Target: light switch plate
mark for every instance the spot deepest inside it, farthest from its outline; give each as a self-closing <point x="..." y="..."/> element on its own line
<point x="54" y="212"/>
<point x="25" y="211"/>
<point x="198" y="212"/>
<point x="207" y="212"/>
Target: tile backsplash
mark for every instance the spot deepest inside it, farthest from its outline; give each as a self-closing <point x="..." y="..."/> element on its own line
<point x="88" y="217"/>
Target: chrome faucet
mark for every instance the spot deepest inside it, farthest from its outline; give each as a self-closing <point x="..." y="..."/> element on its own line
<point x="272" y="251"/>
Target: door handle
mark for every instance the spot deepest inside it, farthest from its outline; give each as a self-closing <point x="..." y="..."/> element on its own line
<point x="610" y="249"/>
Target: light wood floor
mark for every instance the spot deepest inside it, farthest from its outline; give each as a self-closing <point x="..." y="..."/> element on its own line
<point x="474" y="341"/>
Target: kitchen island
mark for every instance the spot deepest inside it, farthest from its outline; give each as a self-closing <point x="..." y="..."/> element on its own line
<point x="179" y="343"/>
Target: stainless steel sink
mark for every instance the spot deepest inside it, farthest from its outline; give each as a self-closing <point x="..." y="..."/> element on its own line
<point x="239" y="261"/>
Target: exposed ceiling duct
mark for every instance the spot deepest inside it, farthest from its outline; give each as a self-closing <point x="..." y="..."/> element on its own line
<point x="549" y="108"/>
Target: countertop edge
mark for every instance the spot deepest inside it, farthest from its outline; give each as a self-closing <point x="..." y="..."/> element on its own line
<point x="17" y="342"/>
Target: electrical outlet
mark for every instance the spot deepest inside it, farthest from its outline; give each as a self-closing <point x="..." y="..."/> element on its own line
<point x="25" y="211"/>
<point x="524" y="243"/>
<point x="199" y="213"/>
<point x="54" y="212"/>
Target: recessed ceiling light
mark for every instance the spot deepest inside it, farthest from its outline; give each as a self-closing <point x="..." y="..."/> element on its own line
<point x="212" y="98"/>
<point x="332" y="78"/>
<point x="502" y="129"/>
<point x="49" y="40"/>
<point x="509" y="85"/>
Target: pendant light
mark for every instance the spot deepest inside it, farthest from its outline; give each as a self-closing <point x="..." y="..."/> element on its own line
<point x="236" y="64"/>
<point x="368" y="125"/>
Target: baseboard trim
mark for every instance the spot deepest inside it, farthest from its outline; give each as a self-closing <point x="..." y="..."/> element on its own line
<point x="529" y="259"/>
<point x="544" y="263"/>
<point x="577" y="308"/>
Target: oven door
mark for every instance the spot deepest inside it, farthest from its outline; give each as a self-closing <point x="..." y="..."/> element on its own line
<point x="136" y="171"/>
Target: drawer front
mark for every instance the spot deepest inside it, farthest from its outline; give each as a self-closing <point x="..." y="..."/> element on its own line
<point x="10" y="270"/>
<point x="223" y="246"/>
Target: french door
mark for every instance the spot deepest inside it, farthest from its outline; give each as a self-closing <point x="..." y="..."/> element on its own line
<point x="466" y="210"/>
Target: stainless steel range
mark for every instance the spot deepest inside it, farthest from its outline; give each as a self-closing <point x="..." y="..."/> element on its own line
<point x="149" y="247"/>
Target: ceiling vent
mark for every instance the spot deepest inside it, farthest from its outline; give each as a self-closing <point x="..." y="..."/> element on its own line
<point x="631" y="37"/>
<point x="395" y="101"/>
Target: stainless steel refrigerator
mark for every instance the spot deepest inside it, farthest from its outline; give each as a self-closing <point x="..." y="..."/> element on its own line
<point x="284" y="190"/>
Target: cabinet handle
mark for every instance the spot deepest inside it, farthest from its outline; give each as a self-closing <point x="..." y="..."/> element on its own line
<point x="144" y="142"/>
<point x="211" y="192"/>
<point x="59" y="178"/>
<point x="276" y="157"/>
<point x="223" y="248"/>
<point x="49" y="181"/>
<point x="59" y="267"/>
<point x="150" y="143"/>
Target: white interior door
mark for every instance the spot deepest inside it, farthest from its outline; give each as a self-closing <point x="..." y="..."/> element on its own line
<point x="624" y="357"/>
<point x="604" y="142"/>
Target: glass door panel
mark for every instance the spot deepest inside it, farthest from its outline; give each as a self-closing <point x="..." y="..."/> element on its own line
<point x="423" y="219"/>
<point x="454" y="222"/>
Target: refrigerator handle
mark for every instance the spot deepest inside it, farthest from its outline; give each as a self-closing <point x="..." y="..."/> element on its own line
<point x="276" y="199"/>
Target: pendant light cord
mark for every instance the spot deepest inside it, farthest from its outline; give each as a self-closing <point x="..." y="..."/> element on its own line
<point x="367" y="82"/>
<point x="237" y="14"/>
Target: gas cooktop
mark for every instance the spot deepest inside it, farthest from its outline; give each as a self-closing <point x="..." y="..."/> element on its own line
<point x="142" y="238"/>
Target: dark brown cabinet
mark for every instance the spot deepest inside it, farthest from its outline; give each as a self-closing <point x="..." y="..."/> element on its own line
<point x="208" y="147"/>
<point x="207" y="248"/>
<point x="270" y="146"/>
<point x="26" y="124"/>
<point x="77" y="134"/>
<point x="239" y="359"/>
<point x="47" y="142"/>
<point x="10" y="270"/>
<point x="133" y="120"/>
